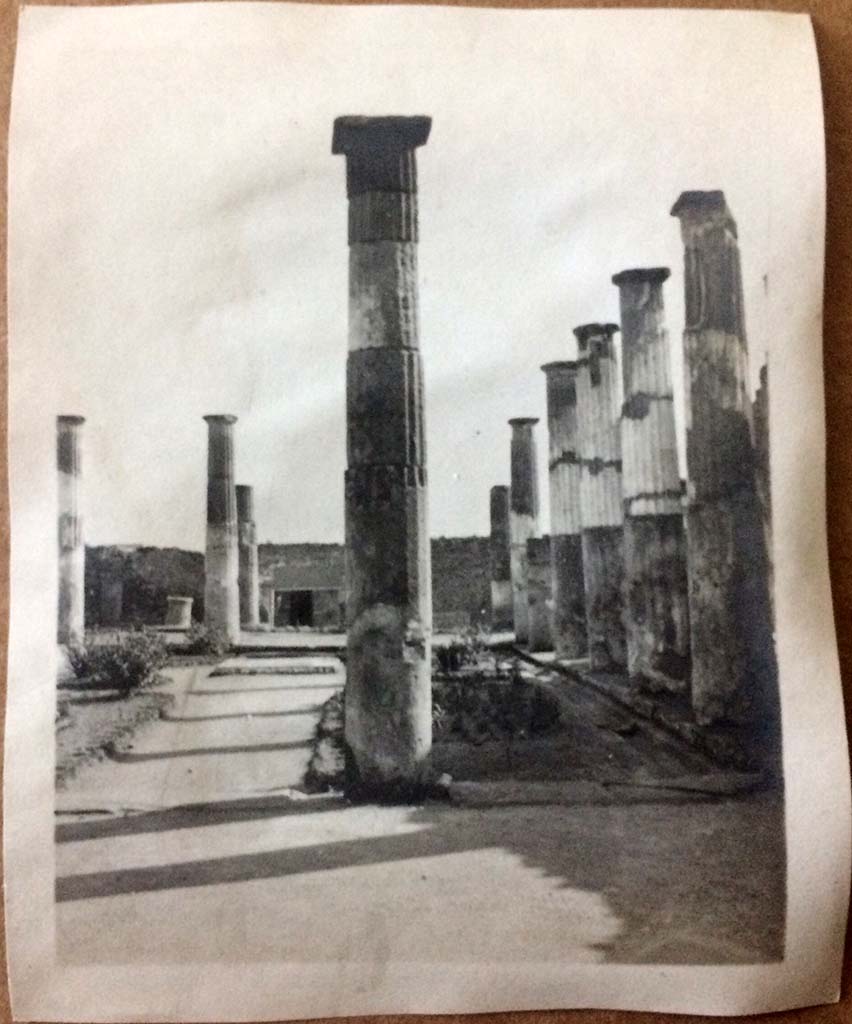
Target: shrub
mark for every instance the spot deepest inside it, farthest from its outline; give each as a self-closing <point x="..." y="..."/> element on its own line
<point x="201" y="639"/>
<point x="129" y="664"/>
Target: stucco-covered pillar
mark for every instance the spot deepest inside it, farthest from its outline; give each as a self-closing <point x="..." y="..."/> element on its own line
<point x="221" y="563"/>
<point x="540" y="590"/>
<point x="733" y="660"/>
<point x="267" y="602"/>
<point x="248" y="577"/>
<point x="388" y="727"/>
<point x="72" y="553"/>
<point x="657" y="605"/>
<point x="501" y="573"/>
<point x="523" y="517"/>
<point x="566" y="547"/>
<point x="601" y="510"/>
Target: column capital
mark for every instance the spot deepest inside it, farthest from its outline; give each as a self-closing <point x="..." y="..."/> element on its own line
<point x="223" y="418"/>
<point x="600" y="333"/>
<point x="523" y="421"/>
<point x="566" y="367"/>
<point x="355" y="134"/>
<point x="641" y="275"/>
<point x="379" y="155"/>
<point x="70" y="421"/>
<point x="696" y="207"/>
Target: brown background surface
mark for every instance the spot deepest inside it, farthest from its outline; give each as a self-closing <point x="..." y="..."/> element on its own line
<point x="833" y="26"/>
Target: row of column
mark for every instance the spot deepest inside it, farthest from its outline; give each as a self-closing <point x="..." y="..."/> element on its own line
<point x="666" y="583"/>
<point x="231" y="575"/>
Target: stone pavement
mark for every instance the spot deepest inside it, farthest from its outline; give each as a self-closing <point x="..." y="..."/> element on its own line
<point x="198" y="844"/>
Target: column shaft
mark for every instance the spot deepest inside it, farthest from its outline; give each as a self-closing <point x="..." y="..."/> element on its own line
<point x="221" y="564"/>
<point x="733" y="660"/>
<point x="501" y="572"/>
<point x="388" y="725"/>
<point x="72" y="552"/>
<point x="657" y="615"/>
<point x="523" y="518"/>
<point x="249" y="572"/>
<point x="566" y="549"/>
<point x="540" y="583"/>
<point x="601" y="510"/>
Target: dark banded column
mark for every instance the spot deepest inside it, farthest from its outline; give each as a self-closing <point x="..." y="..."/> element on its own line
<point x="388" y="726"/>
<point x="72" y="553"/>
<point x="733" y="659"/>
<point x="248" y="578"/>
<point x="657" y="613"/>
<point x="540" y="590"/>
<point x="501" y="573"/>
<point x="566" y="547"/>
<point x="523" y="517"/>
<point x="601" y="509"/>
<point x="221" y="563"/>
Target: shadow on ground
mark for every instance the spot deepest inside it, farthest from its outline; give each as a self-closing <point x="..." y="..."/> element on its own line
<point x="691" y="882"/>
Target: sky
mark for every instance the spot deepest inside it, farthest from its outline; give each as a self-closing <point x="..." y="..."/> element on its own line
<point x="178" y="230"/>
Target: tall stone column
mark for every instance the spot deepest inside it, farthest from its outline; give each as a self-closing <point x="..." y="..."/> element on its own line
<point x="657" y="603"/>
<point x="734" y="677"/>
<point x="221" y="564"/>
<point x="566" y="547"/>
<point x="601" y="509"/>
<point x="501" y="573"/>
<point x="388" y="727"/>
<point x="248" y="578"/>
<point x="72" y="552"/>
<point x="523" y="518"/>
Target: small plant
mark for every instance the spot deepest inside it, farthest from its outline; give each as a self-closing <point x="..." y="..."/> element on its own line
<point x="126" y="665"/>
<point x="201" y="639"/>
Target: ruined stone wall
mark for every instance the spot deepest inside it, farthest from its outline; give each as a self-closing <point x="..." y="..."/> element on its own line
<point x="130" y="585"/>
<point x="461" y="584"/>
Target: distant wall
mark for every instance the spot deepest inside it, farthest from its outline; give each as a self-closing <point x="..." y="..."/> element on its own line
<point x="126" y="584"/>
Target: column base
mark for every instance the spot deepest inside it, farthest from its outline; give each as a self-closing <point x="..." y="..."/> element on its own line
<point x="569" y="596"/>
<point x="603" y="571"/>
<point x="657" y="602"/>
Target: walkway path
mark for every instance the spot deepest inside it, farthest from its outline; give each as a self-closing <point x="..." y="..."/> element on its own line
<point x="198" y="844"/>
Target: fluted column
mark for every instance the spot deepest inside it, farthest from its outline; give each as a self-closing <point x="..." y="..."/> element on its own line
<point x="601" y="509"/>
<point x="72" y="552"/>
<point x="657" y="612"/>
<point x="221" y="563"/>
<point x="523" y="517"/>
<point x="249" y="580"/>
<point x="388" y="725"/>
<point x="501" y="572"/>
<point x="733" y="660"/>
<point x="566" y="547"/>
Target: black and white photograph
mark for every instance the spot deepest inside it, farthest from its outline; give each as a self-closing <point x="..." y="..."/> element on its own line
<point x="419" y="587"/>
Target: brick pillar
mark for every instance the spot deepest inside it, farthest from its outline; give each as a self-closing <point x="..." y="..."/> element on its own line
<point x="248" y="578"/>
<point x="221" y="563"/>
<point x="72" y="552"/>
<point x="501" y="573"/>
<point x="656" y="599"/>
<point x="523" y="517"/>
<point x="566" y="547"/>
<point x="601" y="510"/>
<point x="540" y="589"/>
<point x="734" y="678"/>
<point x="388" y="726"/>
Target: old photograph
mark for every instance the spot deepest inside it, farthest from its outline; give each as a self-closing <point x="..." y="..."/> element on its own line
<point x="418" y="590"/>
